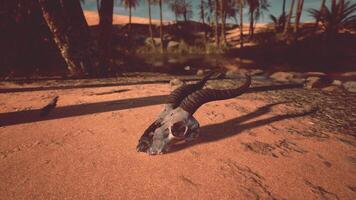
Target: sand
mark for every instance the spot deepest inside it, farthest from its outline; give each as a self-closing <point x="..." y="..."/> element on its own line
<point x="85" y="149"/>
<point x="92" y="18"/>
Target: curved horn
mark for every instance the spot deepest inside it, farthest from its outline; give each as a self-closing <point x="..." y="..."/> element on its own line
<point x="192" y="102"/>
<point x="180" y="93"/>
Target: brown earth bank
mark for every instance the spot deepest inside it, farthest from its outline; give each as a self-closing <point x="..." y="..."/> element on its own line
<point x="265" y="144"/>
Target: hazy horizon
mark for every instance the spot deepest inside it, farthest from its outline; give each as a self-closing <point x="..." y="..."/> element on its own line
<point x="142" y="10"/>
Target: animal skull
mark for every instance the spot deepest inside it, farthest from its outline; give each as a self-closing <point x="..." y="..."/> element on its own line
<point x="176" y="121"/>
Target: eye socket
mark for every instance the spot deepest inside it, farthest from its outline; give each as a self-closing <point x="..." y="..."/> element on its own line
<point x="179" y="129"/>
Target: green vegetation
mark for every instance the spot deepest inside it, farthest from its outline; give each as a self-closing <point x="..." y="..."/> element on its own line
<point x="59" y="40"/>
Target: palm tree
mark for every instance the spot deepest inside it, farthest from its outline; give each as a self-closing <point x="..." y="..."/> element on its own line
<point x="223" y="8"/>
<point x="322" y="5"/>
<point x="284" y="13"/>
<point x="217" y="40"/>
<point x="55" y="18"/>
<point x="130" y="4"/>
<point x="241" y="3"/>
<point x="286" y="27"/>
<point x="256" y="7"/>
<point x="297" y="17"/>
<point x="181" y="8"/>
<point x="187" y="11"/>
<point x="202" y="17"/>
<point x="278" y="22"/>
<point x="150" y="23"/>
<point x="79" y="29"/>
<point x="161" y="24"/>
<point x="106" y="11"/>
<point x="175" y="7"/>
<point x="340" y="15"/>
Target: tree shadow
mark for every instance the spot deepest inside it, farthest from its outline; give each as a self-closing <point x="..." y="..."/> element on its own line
<point x="230" y="128"/>
<point x="28" y="116"/>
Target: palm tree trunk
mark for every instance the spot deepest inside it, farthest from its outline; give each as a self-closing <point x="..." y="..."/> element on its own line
<point x="150" y="23"/>
<point x="333" y="4"/>
<point x="202" y="15"/>
<point x="286" y="28"/>
<point x="322" y="6"/>
<point x="252" y="22"/>
<point x="130" y="19"/>
<point x="223" y="17"/>
<point x="53" y="15"/>
<point x="283" y="23"/>
<point x="241" y="24"/>
<point x="341" y="7"/>
<point x="161" y="25"/>
<point x="105" y="25"/>
<point x="297" y="17"/>
<point x="79" y="31"/>
<point x="217" y="40"/>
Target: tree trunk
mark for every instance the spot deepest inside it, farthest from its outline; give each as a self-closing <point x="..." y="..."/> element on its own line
<point x="202" y="15"/>
<point x="322" y="6"/>
<point x="53" y="15"/>
<point x="284" y="7"/>
<point x="130" y="15"/>
<point x="252" y="22"/>
<point x="150" y="23"/>
<point x="241" y="24"/>
<point x="79" y="31"/>
<point x="341" y="7"/>
<point x="161" y="25"/>
<point x="333" y="4"/>
<point x="297" y="17"/>
<point x="217" y="40"/>
<point x="105" y="25"/>
<point x="286" y="28"/>
<point x="223" y="17"/>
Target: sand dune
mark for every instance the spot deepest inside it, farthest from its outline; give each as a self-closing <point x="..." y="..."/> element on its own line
<point x="93" y="19"/>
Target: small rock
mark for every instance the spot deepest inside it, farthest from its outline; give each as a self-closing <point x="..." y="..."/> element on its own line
<point x="173" y="61"/>
<point x="332" y="88"/>
<point x="236" y="73"/>
<point x="336" y="82"/>
<point x="298" y="80"/>
<point x="256" y="72"/>
<point x="207" y="70"/>
<point x="172" y="45"/>
<point x="282" y="76"/>
<point x="158" y="64"/>
<point x="348" y="74"/>
<point x="350" y="86"/>
<point x="175" y="83"/>
<point x="200" y="72"/>
<point x="317" y="82"/>
<point x="157" y="41"/>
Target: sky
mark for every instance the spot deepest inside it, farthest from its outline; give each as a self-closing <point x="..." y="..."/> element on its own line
<point x="142" y="10"/>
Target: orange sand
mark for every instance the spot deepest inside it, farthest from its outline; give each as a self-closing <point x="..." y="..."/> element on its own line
<point x="92" y="18"/>
<point x="86" y="150"/>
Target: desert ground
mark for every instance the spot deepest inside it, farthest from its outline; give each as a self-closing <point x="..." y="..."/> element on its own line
<point x="265" y="144"/>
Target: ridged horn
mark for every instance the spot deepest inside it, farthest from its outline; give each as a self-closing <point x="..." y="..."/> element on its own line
<point x="180" y="93"/>
<point x="193" y="101"/>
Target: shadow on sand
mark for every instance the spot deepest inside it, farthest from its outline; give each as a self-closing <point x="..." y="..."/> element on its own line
<point x="230" y="128"/>
<point x="28" y="116"/>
